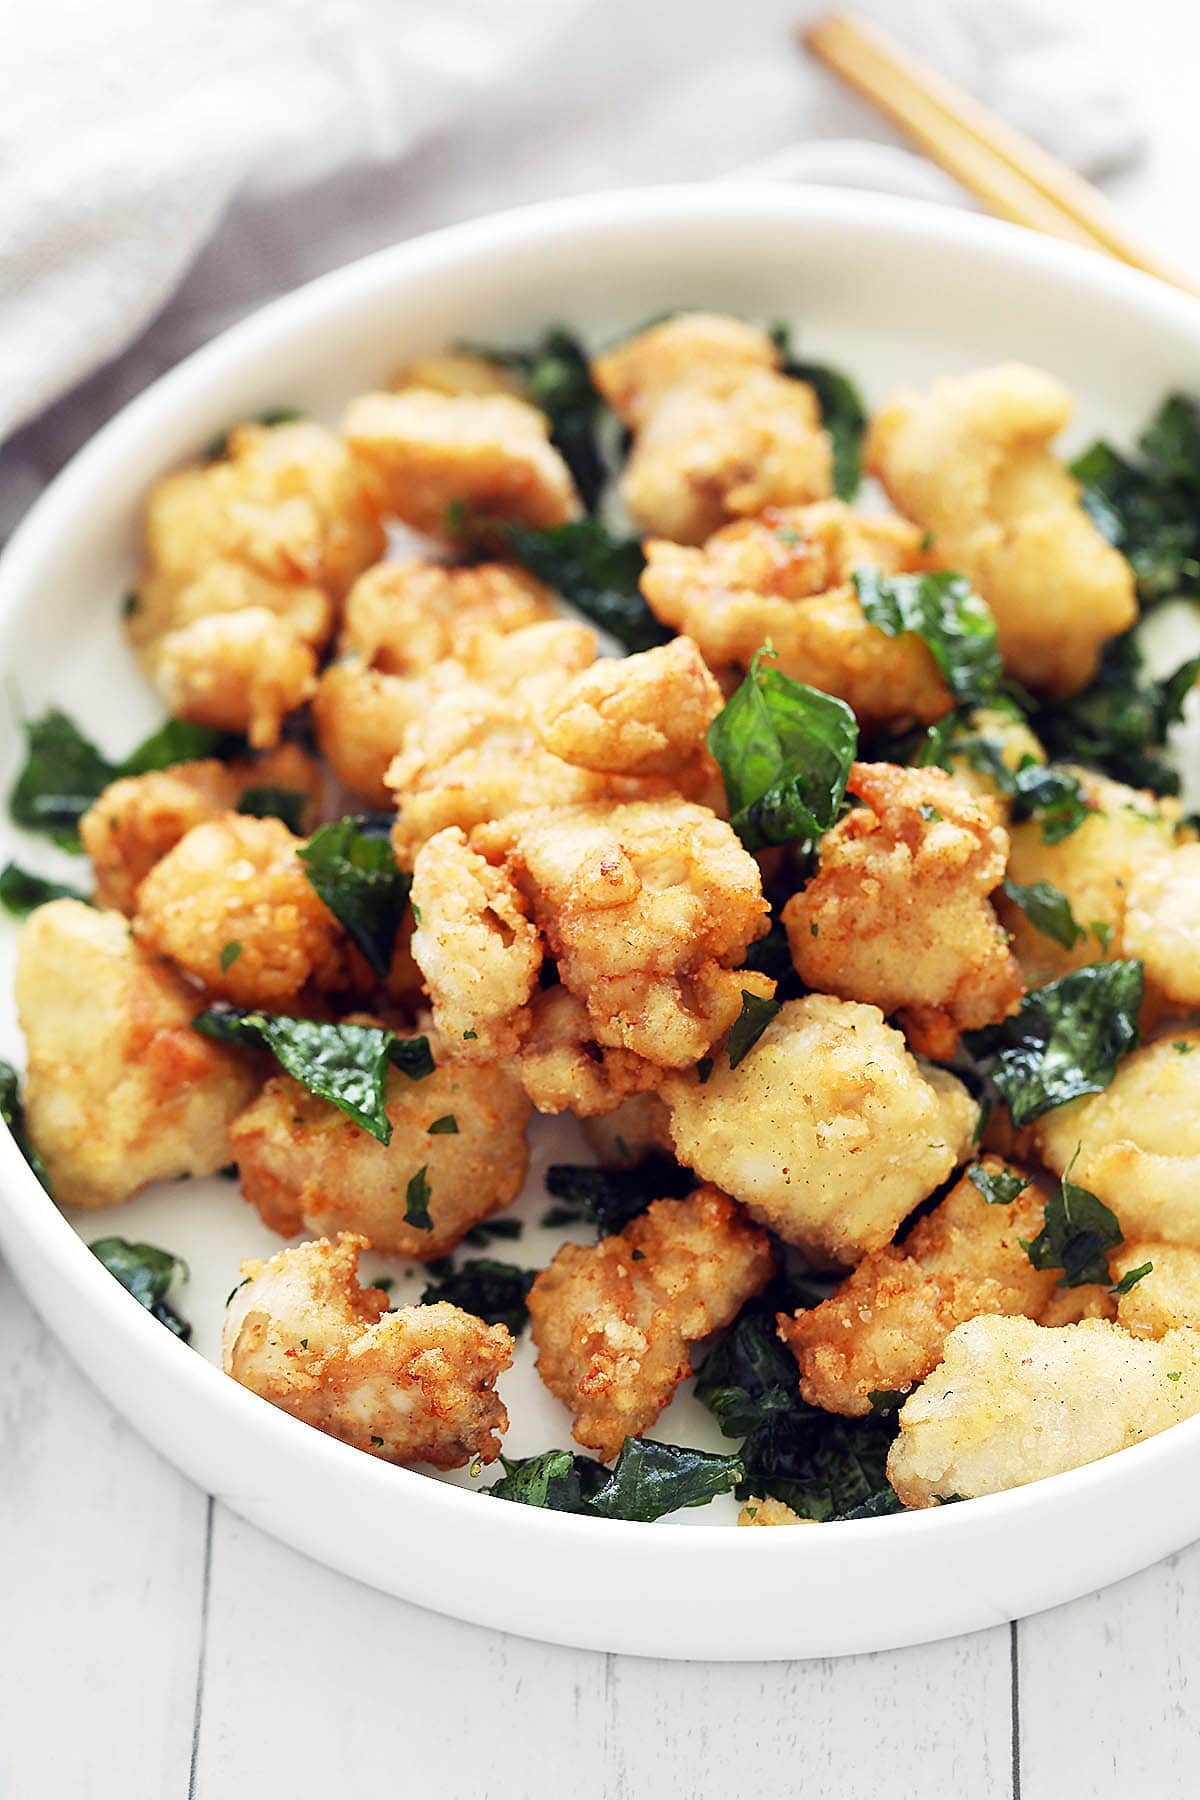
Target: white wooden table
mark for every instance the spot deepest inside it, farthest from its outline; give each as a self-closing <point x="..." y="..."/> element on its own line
<point x="154" y="1647"/>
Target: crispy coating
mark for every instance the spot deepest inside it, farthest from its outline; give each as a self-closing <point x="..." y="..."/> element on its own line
<point x="456" y="372"/>
<point x="612" y="1323"/>
<point x="785" y="578"/>
<point x="970" y="461"/>
<point x="429" y="451"/>
<point x="886" y="1325"/>
<point x="476" y="947"/>
<point x="719" y="432"/>
<point x="415" y="1385"/>
<point x="1013" y="1402"/>
<point x="644" y="907"/>
<point x="898" y="913"/>
<point x="244" y="559"/>
<point x="634" y="715"/>
<point x="635" y="1129"/>
<point x="138" y="818"/>
<point x="307" y="1167"/>
<point x="1095" y="867"/>
<point x="1067" y="1306"/>
<point x="769" y="1512"/>
<point x="1138" y="1141"/>
<point x="120" y="1090"/>
<point x="828" y="1131"/>
<point x="1162" y="923"/>
<point x="401" y="619"/>
<point x="1168" y="1297"/>
<point x="236" y="881"/>
<point x="563" y="1069"/>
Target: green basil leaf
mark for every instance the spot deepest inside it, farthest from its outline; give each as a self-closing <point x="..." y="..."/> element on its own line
<point x="1130" y="1279"/>
<point x="446" y="1126"/>
<point x="610" y="1198"/>
<point x="179" y="741"/>
<point x="1052" y="796"/>
<point x="949" y="617"/>
<point x="1066" y="1040"/>
<point x="1078" y="1232"/>
<point x="749" y="1026"/>
<point x="354" y="870"/>
<point x="1048" y="910"/>
<point x="495" y="1291"/>
<point x="412" y="1056"/>
<point x="12" y="1112"/>
<point x="999" y="1188"/>
<point x="843" y="413"/>
<point x="287" y="804"/>
<point x="556" y="1480"/>
<point x="597" y="572"/>
<point x="784" y="752"/>
<point x="651" y="1479"/>
<point x="1151" y="509"/>
<point x="146" y="1272"/>
<point x="21" y="891"/>
<point x="557" y="378"/>
<point x="62" y="775"/>
<point x="344" y="1064"/>
<point x="1119" y="724"/>
<point x="416" y="1201"/>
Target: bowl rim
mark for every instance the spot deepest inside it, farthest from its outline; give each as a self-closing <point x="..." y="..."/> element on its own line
<point x="24" y="1206"/>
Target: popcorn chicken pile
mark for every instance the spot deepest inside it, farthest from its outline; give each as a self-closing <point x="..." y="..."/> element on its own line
<point x="851" y="908"/>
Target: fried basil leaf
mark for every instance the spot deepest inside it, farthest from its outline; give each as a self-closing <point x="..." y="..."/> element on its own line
<point x="597" y="572"/>
<point x="557" y="378"/>
<point x="1048" y="910"/>
<point x="495" y="1291"/>
<point x="417" y="1196"/>
<point x="1151" y="509"/>
<point x="21" y="890"/>
<point x="784" y="752"/>
<point x="1000" y="1187"/>
<point x="179" y="741"/>
<point x="146" y="1272"/>
<point x="842" y="412"/>
<point x="1066" y="1040"/>
<point x="12" y="1111"/>
<point x="949" y="617"/>
<point x="412" y="1056"/>
<point x="749" y="1026"/>
<point x="822" y="1466"/>
<point x="647" y="1481"/>
<point x="1078" y="1233"/>
<point x="1120" y="723"/>
<point x="344" y="1064"/>
<point x="287" y="804"/>
<point x="1052" y="796"/>
<point x="354" y="870"/>
<point x="1130" y="1279"/>
<point x="609" y="1198"/>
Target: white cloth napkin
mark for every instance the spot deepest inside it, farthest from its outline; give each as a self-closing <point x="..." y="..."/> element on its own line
<point x="165" y="165"/>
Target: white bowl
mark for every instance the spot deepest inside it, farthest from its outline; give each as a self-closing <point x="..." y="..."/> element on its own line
<point x="895" y="292"/>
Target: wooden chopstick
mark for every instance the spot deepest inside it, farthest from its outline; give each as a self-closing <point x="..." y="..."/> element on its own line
<point x="1011" y="174"/>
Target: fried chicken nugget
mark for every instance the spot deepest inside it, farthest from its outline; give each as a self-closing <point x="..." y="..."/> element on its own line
<point x="1165" y="1298"/>
<point x="429" y="452"/>
<point x="1013" y="1402"/>
<point x="719" y="432"/>
<point x="885" y="1327"/>
<point x="120" y="1090"/>
<point x="476" y="947"/>
<point x="244" y="560"/>
<point x="415" y="1385"/>
<point x="898" y="913"/>
<point x="138" y="818"/>
<point x="307" y="1167"/>
<point x="786" y="578"/>
<point x="563" y="1069"/>
<point x="645" y="907"/>
<point x="232" y="906"/>
<point x="970" y="461"/>
<point x="634" y="715"/>
<point x="1138" y="1142"/>
<point x="828" y="1131"/>
<point x="401" y="619"/>
<point x="612" y="1323"/>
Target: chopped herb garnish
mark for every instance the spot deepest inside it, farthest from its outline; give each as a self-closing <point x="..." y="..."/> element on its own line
<point x="344" y="1064"/>
<point x="353" y="868"/>
<point x="648" y="1481"/>
<point x="999" y="1187"/>
<point x="609" y="1198"/>
<point x="146" y="1272"/>
<point x="749" y="1026"/>
<point x="236" y="1288"/>
<point x="21" y="890"/>
<point x="446" y="1126"/>
<point x="1130" y="1279"/>
<point x="377" y="1442"/>
<point x="931" y="816"/>
<point x="229" y="955"/>
<point x="1066" y="1040"/>
<point x="842" y="412"/>
<point x="12" y="1112"/>
<point x="785" y="752"/>
<point x="412" y="1056"/>
<point x="1048" y="910"/>
<point x="946" y="613"/>
<point x="495" y="1291"/>
<point x="597" y="572"/>
<point x="1078" y="1232"/>
<point x="416" y="1202"/>
<point x="287" y="804"/>
<point x="704" y="1069"/>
